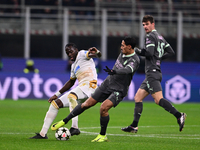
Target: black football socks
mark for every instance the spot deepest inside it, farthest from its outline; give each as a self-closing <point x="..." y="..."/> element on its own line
<point x="168" y="107"/>
<point x="75" y="112"/>
<point x="137" y="113"/>
<point x="104" y="123"/>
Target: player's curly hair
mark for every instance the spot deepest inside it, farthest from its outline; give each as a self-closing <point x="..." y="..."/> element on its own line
<point x="71" y="45"/>
<point x="147" y="18"/>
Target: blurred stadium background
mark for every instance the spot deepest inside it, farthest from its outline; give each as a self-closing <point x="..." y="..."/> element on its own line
<point x="39" y="30"/>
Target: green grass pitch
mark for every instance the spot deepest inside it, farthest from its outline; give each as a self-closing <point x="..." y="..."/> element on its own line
<point x="158" y="130"/>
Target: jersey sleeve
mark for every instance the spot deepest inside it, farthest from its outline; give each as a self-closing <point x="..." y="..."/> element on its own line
<point x="129" y="68"/>
<point x="168" y="51"/>
<point x="72" y="73"/>
<point x="133" y="65"/>
<point x="84" y="54"/>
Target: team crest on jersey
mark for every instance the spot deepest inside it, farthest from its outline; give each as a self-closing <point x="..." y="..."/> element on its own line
<point x="148" y="41"/>
<point x="132" y="64"/>
<point x="160" y="37"/>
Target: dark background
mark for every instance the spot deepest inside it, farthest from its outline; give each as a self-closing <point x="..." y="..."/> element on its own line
<point x="45" y="46"/>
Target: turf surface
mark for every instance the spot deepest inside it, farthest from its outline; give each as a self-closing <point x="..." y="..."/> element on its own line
<point x="158" y="130"/>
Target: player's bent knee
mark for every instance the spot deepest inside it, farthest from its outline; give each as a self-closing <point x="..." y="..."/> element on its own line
<point x="137" y="98"/>
<point x="72" y="99"/>
<point x="104" y="110"/>
<point x="54" y="104"/>
<point x="87" y="104"/>
<point x="157" y="101"/>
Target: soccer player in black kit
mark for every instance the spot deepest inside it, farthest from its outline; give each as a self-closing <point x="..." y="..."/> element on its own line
<point x="113" y="89"/>
<point x="156" y="49"/>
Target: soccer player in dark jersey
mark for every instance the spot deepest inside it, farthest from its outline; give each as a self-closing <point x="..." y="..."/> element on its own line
<point x="113" y="89"/>
<point x="156" y="49"/>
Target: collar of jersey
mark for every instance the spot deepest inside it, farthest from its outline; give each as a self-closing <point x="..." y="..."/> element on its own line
<point x="128" y="55"/>
<point x="151" y="31"/>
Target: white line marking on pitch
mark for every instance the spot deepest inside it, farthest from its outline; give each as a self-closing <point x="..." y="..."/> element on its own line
<point x="188" y="136"/>
<point x="144" y="126"/>
<point x="183" y="136"/>
<point x="144" y="135"/>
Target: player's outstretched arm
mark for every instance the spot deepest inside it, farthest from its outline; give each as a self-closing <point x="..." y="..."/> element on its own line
<point x="65" y="88"/>
<point x="94" y="52"/>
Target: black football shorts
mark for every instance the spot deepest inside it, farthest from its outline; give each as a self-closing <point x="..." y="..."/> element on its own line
<point x="101" y="94"/>
<point x="152" y="82"/>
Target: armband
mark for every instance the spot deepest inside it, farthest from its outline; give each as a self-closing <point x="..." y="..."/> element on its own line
<point x="57" y="93"/>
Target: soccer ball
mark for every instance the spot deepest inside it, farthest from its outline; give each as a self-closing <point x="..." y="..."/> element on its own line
<point x="62" y="134"/>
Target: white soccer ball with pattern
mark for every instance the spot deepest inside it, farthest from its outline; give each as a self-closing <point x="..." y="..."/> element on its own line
<point x="62" y="134"/>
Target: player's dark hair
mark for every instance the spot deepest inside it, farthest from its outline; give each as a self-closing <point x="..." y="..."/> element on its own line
<point x="130" y="41"/>
<point x="147" y="18"/>
<point x="71" y="45"/>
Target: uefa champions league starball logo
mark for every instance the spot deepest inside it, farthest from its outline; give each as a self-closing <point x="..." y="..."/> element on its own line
<point x="177" y="90"/>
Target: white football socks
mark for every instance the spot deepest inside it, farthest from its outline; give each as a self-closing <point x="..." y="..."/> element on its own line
<point x="50" y="116"/>
<point x="75" y="119"/>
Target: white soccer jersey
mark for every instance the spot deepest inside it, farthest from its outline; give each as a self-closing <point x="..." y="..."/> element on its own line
<point x="83" y="68"/>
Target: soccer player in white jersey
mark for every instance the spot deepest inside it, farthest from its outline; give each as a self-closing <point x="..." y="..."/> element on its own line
<point x="83" y="69"/>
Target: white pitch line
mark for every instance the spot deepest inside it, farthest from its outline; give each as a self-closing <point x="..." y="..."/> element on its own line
<point x="16" y="133"/>
<point x="188" y="136"/>
<point x="143" y="135"/>
<point x="183" y="136"/>
<point x="170" y="136"/>
<point x="166" y="126"/>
